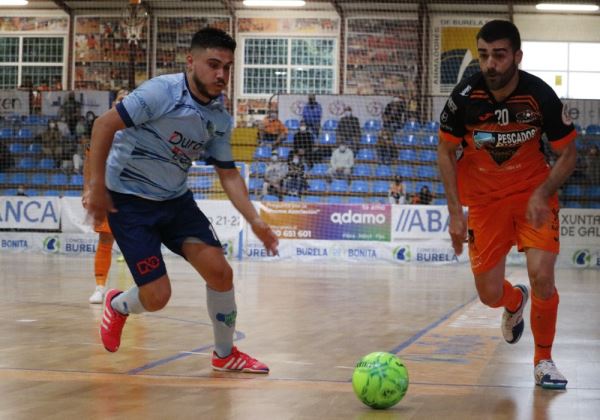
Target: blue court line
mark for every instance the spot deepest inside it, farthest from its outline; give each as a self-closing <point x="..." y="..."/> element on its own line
<point x="237" y="336"/>
<point x="428" y="328"/>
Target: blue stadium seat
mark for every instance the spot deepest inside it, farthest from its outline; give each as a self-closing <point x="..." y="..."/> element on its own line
<point x="18" y="178"/>
<point x="76" y="193"/>
<point x="431" y="127"/>
<point x="405" y="139"/>
<point x="289" y="139"/>
<point x="411" y="127"/>
<point x="317" y="185"/>
<point x="25" y="133"/>
<point x="594" y="191"/>
<point x="262" y="152"/>
<point x="440" y="201"/>
<point x="407" y="154"/>
<point x="76" y="179"/>
<point x="405" y="171"/>
<point x="330" y="125"/>
<point x="17" y="148"/>
<point x="431" y="140"/>
<point x="438" y="188"/>
<point x="3" y="177"/>
<point x="270" y="197"/>
<point x="50" y="193"/>
<point x="380" y="187"/>
<point x="58" y="179"/>
<point x="34" y="148"/>
<point x="378" y="200"/>
<point x="362" y="169"/>
<point x="359" y="187"/>
<point x="428" y="156"/>
<point x="335" y="199"/>
<point x="578" y="128"/>
<point x="426" y="172"/>
<point x="291" y="198"/>
<point x="383" y="170"/>
<point x="593" y="129"/>
<point x="292" y="124"/>
<point x="366" y="154"/>
<point x="572" y="204"/>
<point x="6" y="133"/>
<point x="255" y="184"/>
<point x="200" y="182"/>
<point x="338" y="185"/>
<point x="372" y="125"/>
<point x="258" y="168"/>
<point x="319" y="169"/>
<point x="369" y="138"/>
<point x="8" y="192"/>
<point x="573" y="190"/>
<point x="327" y="137"/>
<point x="46" y="163"/>
<point x="311" y="199"/>
<point x="39" y="179"/>
<point x="26" y="163"/>
<point x="283" y="152"/>
<point x="356" y="200"/>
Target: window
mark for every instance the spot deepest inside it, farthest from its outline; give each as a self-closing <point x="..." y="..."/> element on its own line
<point x="288" y="65"/>
<point x="571" y="68"/>
<point x="31" y="61"/>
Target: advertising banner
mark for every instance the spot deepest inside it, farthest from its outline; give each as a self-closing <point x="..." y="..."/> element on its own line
<point x="419" y="222"/>
<point x="360" y="222"/>
<point x="30" y="213"/>
<point x="14" y="102"/>
<point x="95" y="102"/>
<point x="579" y="227"/>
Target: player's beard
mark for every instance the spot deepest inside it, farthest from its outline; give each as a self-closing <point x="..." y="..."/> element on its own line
<point x="500" y="79"/>
<point x="202" y="88"/>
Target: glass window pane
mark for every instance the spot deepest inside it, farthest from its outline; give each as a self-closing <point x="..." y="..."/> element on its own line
<point x="584" y="85"/>
<point x="9" y="50"/>
<point x="265" y="80"/>
<point x="545" y="56"/>
<point x="313" y="52"/>
<point x="311" y="80"/>
<point x="584" y="56"/>
<point x="8" y="77"/>
<point x="42" y="50"/>
<point x="556" y="79"/>
<point x="42" y="75"/>
<point x="268" y="51"/>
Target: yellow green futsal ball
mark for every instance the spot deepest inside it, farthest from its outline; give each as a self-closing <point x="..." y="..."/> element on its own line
<point x="380" y="380"/>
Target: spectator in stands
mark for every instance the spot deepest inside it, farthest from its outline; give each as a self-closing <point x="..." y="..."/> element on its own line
<point x="386" y="149"/>
<point x="304" y="144"/>
<point x="592" y="166"/>
<point x="348" y="129"/>
<point x="21" y="191"/>
<point x="295" y="182"/>
<point x="272" y="130"/>
<point x="341" y="163"/>
<point x="70" y="111"/>
<point x="6" y="159"/>
<point x="424" y="196"/>
<point x="82" y="128"/>
<point x="311" y="115"/>
<point x="275" y="173"/>
<point x="394" y="114"/>
<point x="52" y="142"/>
<point x="397" y="193"/>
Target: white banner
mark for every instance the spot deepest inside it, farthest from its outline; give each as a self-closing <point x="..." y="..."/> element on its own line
<point x="364" y="107"/>
<point x="14" y="102"/>
<point x="30" y="213"/>
<point x="419" y="222"/>
<point x="579" y="227"/>
<point x="94" y="101"/>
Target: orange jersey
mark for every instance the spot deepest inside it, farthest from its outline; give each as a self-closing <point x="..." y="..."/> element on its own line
<point x="502" y="141"/>
<point x="274" y="126"/>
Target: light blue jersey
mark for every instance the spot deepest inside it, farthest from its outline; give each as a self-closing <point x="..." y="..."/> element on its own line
<point x="167" y="129"/>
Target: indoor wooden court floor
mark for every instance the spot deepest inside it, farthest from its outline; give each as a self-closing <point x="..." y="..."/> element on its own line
<point x="309" y="322"/>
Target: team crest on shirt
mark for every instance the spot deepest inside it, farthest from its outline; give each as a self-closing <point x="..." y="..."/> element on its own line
<point x="502" y="146"/>
<point x="527" y="116"/>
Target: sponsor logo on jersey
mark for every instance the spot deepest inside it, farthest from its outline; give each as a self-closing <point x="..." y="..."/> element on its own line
<point x="466" y="91"/>
<point x="451" y="105"/>
<point x="486" y="139"/>
<point x="527" y="116"/>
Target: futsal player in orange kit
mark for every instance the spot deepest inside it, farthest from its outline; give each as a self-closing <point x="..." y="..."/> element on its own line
<point x="498" y="116"/>
<point x="103" y="257"/>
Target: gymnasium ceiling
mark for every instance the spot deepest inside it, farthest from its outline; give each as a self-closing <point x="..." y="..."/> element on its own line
<point x="345" y="7"/>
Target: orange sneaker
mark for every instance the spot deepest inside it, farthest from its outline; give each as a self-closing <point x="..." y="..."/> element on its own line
<point x="112" y="323"/>
<point x="238" y="362"/>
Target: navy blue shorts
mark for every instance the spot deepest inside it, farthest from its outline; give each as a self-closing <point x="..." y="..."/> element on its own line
<point x="140" y="226"/>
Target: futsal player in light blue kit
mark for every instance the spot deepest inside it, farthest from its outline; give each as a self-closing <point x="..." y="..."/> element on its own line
<point x="140" y="155"/>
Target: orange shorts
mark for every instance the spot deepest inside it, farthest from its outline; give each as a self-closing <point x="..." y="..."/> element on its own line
<point x="103" y="227"/>
<point x="494" y="228"/>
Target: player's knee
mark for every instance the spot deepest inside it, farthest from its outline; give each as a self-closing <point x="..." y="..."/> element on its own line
<point x="490" y="299"/>
<point x="156" y="297"/>
<point x="542" y="282"/>
<point x="222" y="278"/>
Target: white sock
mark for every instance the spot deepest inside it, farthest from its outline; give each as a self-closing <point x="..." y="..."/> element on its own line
<point x="128" y="302"/>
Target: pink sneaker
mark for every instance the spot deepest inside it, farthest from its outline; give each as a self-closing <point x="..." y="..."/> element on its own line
<point x="238" y="362"/>
<point x="112" y="323"/>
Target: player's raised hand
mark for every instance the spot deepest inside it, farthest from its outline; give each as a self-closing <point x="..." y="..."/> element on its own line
<point x="266" y="235"/>
<point x="538" y="209"/>
<point x="458" y="232"/>
<point x="97" y="203"/>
